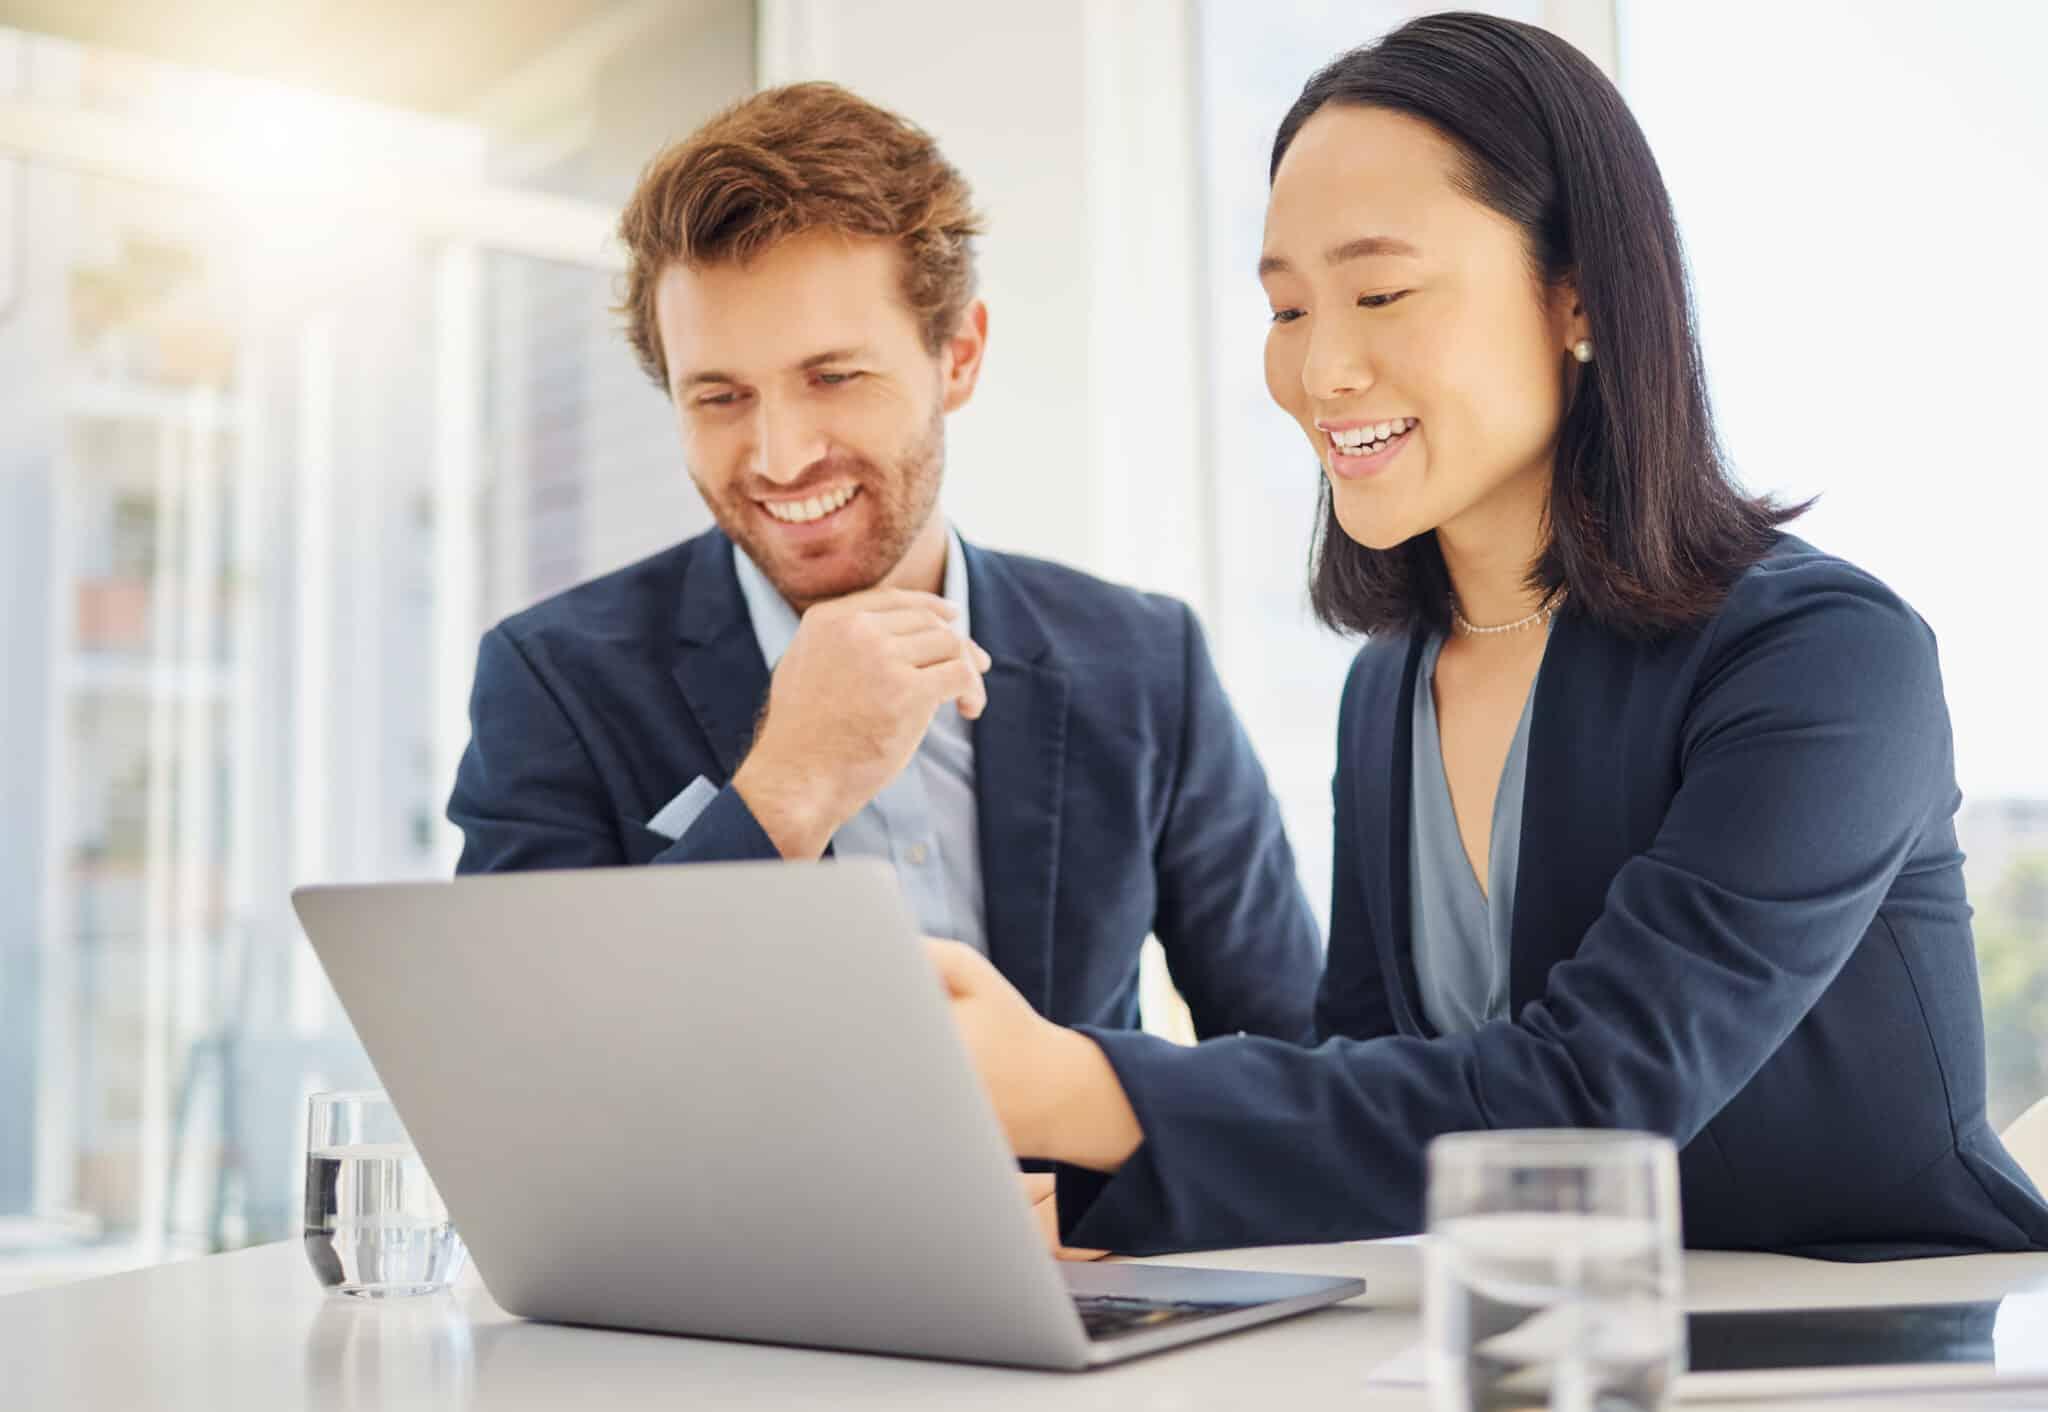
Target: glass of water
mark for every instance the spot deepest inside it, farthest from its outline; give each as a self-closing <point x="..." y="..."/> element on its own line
<point x="1551" y="1273"/>
<point x="375" y="1226"/>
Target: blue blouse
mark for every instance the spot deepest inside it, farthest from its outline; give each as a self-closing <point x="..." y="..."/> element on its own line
<point x="1460" y="935"/>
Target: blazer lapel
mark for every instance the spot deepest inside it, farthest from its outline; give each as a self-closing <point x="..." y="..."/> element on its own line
<point x="718" y="659"/>
<point x="1020" y="753"/>
<point x="1574" y="833"/>
<point x="1387" y="795"/>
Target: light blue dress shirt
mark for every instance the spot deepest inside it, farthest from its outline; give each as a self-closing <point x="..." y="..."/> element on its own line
<point x="924" y="821"/>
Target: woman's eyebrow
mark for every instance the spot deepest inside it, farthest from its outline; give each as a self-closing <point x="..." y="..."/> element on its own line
<point x="1359" y="249"/>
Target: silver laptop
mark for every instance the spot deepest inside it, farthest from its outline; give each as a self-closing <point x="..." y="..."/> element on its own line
<point x="728" y="1100"/>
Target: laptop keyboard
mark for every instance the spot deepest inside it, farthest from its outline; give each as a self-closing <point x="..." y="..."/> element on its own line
<point x="1108" y="1315"/>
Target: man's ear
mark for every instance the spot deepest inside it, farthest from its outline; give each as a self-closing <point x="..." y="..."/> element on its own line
<point x="960" y="356"/>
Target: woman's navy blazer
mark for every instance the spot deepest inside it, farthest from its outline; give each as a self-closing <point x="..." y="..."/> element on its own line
<point x="1739" y="921"/>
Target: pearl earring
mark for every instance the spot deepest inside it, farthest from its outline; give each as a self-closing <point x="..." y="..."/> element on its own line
<point x="1583" y="350"/>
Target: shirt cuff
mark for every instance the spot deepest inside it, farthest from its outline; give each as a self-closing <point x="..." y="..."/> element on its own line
<point x="724" y="831"/>
<point x="679" y="813"/>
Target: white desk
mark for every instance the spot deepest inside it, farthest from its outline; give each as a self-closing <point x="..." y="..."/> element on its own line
<point x="252" y="1331"/>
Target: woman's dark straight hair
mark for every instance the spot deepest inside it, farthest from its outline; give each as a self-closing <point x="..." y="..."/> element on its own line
<point x="1647" y="529"/>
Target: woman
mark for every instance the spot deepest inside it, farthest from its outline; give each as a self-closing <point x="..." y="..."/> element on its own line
<point x="1643" y="808"/>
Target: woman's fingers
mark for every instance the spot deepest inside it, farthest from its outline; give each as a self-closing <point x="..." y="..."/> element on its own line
<point x="1043" y="1196"/>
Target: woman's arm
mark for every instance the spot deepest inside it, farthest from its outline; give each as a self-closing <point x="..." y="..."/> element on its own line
<point x="1816" y="750"/>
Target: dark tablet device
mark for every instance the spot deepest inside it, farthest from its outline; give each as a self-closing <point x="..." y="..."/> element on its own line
<point x="1988" y="1342"/>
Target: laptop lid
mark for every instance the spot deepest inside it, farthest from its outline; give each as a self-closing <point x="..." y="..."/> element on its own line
<point x="724" y="1100"/>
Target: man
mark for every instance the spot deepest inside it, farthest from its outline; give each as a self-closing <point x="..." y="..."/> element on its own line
<point x="1049" y="760"/>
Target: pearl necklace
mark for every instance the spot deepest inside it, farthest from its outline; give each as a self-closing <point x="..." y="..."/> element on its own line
<point x="1541" y="615"/>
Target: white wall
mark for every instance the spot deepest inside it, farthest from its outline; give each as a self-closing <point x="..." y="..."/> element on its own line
<point x="1072" y="121"/>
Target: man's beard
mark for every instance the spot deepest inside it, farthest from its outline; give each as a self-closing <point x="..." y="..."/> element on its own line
<point x="900" y="501"/>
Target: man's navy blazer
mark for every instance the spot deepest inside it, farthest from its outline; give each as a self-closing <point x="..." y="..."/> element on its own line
<point x="1116" y="792"/>
<point x="1739" y="921"/>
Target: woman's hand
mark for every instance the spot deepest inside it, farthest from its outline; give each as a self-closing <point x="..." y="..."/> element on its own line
<point x="1038" y="1190"/>
<point x="1053" y="1089"/>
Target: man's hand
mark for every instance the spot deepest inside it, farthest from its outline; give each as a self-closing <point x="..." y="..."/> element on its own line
<point x="849" y="704"/>
<point x="1039" y="1191"/>
<point x="1053" y="1089"/>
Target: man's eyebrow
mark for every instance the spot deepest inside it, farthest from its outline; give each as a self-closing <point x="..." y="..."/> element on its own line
<point x="816" y="360"/>
<point x="836" y="355"/>
<point x="1359" y="249"/>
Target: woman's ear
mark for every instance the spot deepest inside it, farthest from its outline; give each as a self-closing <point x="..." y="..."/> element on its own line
<point x="1568" y="320"/>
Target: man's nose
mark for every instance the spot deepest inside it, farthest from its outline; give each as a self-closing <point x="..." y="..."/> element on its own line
<point x="785" y="444"/>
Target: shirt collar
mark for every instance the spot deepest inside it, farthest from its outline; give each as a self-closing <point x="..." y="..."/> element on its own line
<point x="775" y="621"/>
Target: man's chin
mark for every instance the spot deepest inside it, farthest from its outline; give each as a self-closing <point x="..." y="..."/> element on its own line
<point x="804" y="582"/>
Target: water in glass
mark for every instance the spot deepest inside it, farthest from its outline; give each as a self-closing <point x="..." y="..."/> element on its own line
<point x="375" y="1225"/>
<point x="1552" y="1310"/>
<point x="1552" y="1271"/>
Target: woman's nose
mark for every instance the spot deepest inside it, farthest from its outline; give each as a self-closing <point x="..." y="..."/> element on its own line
<point x="1335" y="369"/>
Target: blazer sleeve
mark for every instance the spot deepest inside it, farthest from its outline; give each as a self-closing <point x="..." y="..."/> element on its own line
<point x="1815" y="750"/>
<point x="528" y="793"/>
<point x="1239" y="937"/>
<point x="1351" y="1000"/>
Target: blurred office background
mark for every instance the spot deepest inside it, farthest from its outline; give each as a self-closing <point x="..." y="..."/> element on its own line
<point x="307" y="375"/>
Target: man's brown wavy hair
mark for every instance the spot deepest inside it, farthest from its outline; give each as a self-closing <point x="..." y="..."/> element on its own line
<point x="809" y="156"/>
